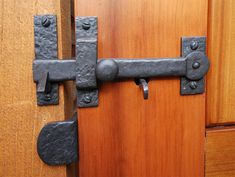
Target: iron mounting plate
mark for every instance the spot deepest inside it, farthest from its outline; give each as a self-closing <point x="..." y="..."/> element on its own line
<point x="86" y="59"/>
<point x="190" y="87"/>
<point x="45" y="41"/>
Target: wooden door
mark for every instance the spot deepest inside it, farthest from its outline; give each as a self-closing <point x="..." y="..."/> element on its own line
<point x="127" y="136"/>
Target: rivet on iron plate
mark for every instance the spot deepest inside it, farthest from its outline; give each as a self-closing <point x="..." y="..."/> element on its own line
<point x="196" y="65"/>
<point x="47" y="97"/>
<point x="193" y="85"/>
<point x="194" y="45"/>
<point x="86" y="25"/>
<point x="87" y="99"/>
<point x="45" y="21"/>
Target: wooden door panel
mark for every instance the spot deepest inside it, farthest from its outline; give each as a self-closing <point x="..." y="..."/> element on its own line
<point x="221" y="76"/>
<point x="127" y="136"/>
<point x="220" y="152"/>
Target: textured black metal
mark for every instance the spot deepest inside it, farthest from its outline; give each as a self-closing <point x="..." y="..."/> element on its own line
<point x="86" y="59"/>
<point x="44" y="85"/>
<point x="189" y="45"/>
<point x="187" y="89"/>
<point x="186" y="45"/>
<point x="87" y="98"/>
<point x="59" y="70"/>
<point x="196" y="73"/>
<point x="86" y="52"/>
<point x="140" y="68"/>
<point x="85" y="69"/>
<point x="111" y="69"/>
<point x="57" y="142"/>
<point x="45" y="40"/>
<point x="144" y="86"/>
<point x="107" y="70"/>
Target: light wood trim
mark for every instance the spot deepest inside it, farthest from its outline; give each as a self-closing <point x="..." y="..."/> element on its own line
<point x="20" y="117"/>
<point x="220" y="152"/>
<point x="221" y="76"/>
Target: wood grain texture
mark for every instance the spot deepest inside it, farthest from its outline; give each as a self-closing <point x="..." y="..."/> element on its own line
<point x="220" y="152"/>
<point x="20" y="118"/>
<point x="221" y="76"/>
<point x="127" y="136"/>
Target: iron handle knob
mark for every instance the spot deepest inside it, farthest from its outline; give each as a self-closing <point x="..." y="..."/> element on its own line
<point x="107" y="70"/>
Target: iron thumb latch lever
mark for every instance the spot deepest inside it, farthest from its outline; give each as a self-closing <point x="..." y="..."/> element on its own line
<point x="87" y="70"/>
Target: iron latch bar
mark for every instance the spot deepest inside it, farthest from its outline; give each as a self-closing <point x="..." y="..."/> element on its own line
<point x="86" y="69"/>
<point x="193" y="67"/>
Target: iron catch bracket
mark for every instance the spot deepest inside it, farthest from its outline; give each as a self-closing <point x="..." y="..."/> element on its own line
<point x="86" y="69"/>
<point x="58" y="142"/>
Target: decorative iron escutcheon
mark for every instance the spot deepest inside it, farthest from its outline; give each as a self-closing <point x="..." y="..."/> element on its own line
<point x="86" y="70"/>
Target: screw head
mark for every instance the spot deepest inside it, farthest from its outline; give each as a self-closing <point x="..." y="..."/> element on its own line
<point x="46" y="22"/>
<point x="86" y="25"/>
<point x="193" y="85"/>
<point x="87" y="99"/>
<point x="47" y="97"/>
<point x="196" y="65"/>
<point x="194" y="45"/>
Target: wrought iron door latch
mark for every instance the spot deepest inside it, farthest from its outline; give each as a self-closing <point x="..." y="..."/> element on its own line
<point x="86" y="70"/>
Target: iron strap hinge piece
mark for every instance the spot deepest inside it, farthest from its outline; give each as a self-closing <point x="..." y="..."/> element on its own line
<point x="86" y="70"/>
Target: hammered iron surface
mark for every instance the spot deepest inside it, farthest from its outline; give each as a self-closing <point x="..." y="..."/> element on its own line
<point x="57" y="142"/>
<point x="45" y="41"/>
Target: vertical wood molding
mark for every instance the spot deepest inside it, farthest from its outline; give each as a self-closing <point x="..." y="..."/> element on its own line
<point x="221" y="76"/>
<point x="20" y="118"/>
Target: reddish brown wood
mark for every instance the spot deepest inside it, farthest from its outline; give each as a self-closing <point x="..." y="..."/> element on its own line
<point x="127" y="136"/>
<point x="220" y="108"/>
<point x="220" y="152"/>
